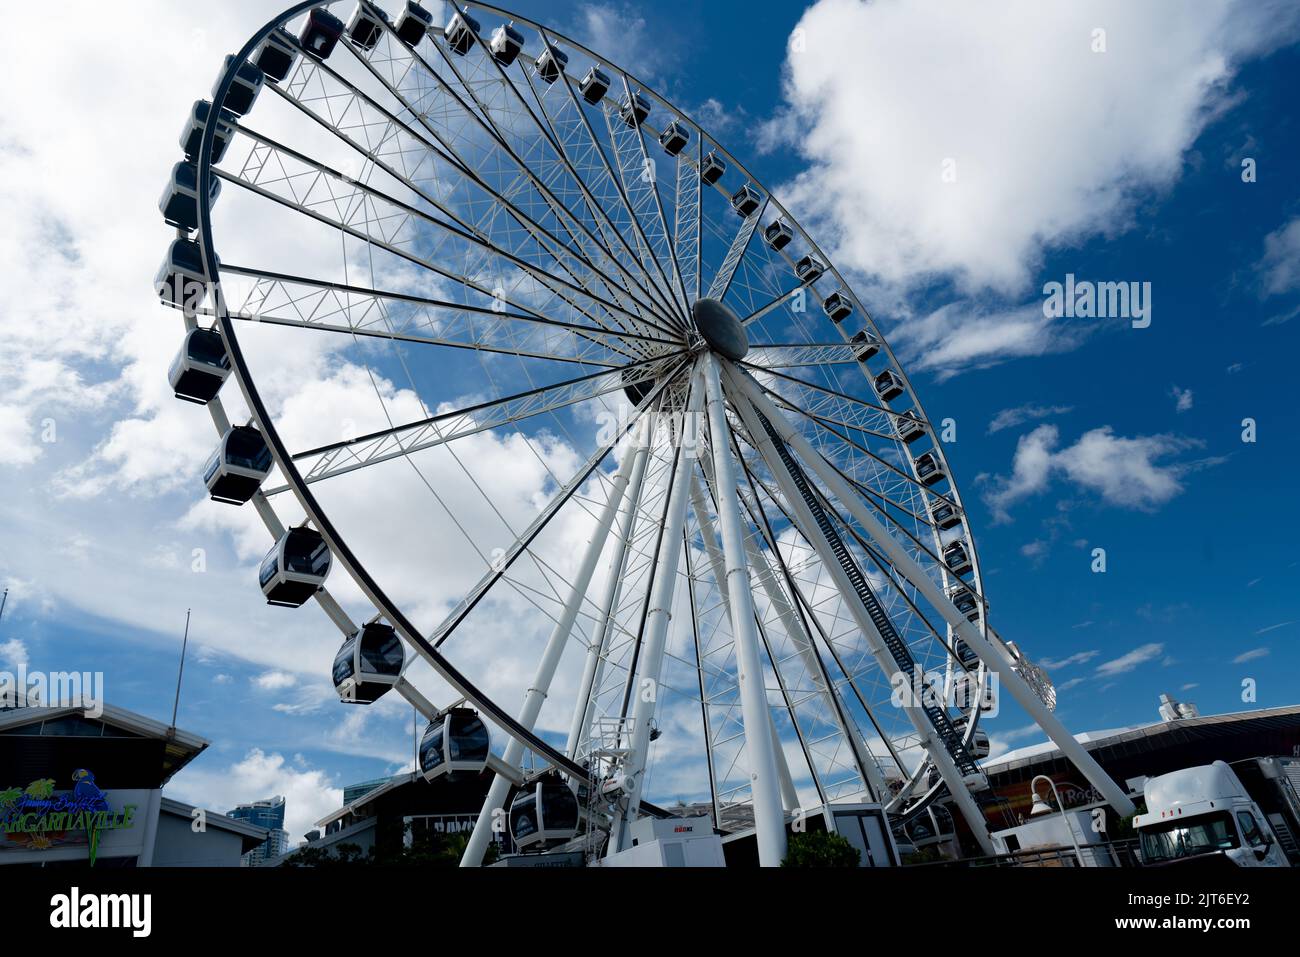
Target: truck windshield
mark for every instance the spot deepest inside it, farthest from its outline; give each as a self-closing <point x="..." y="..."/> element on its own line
<point x="1188" y="837"/>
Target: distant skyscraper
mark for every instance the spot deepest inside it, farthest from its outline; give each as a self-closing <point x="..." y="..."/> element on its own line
<point x="270" y="815"/>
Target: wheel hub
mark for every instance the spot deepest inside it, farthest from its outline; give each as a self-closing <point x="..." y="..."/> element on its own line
<point x="721" y="328"/>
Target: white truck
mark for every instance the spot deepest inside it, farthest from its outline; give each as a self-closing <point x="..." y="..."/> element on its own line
<point x="1246" y="814"/>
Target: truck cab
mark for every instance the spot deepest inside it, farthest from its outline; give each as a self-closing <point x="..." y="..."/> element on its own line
<point x="1197" y="815"/>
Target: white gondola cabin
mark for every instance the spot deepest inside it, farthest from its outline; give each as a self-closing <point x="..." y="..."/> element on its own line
<point x="367" y="25"/>
<point x="238" y="466"/>
<point x="964" y="600"/>
<point x="180" y="279"/>
<point x="460" y="33"/>
<point x="543" y="814"/>
<point x="179" y="203"/>
<point x="634" y="109"/>
<point x="745" y="201"/>
<point x="200" y="368"/>
<point x="277" y="55"/>
<point x="413" y="24"/>
<point x="551" y="64"/>
<point x="321" y="33"/>
<point x="889" y="385"/>
<point x="368" y="664"/>
<point x="837" y="307"/>
<point x="454" y="743"/>
<point x="909" y="427"/>
<point x="506" y="44"/>
<point x="944" y="515"/>
<point x="192" y="132"/>
<point x="929" y="469"/>
<point x="295" y="568"/>
<point x="778" y="234"/>
<point x="244" y="89"/>
<point x="864" y="347"/>
<point x="674" y="138"/>
<point x="594" y="86"/>
<point x="712" y="168"/>
<point x="809" y="270"/>
<point x="957" y="558"/>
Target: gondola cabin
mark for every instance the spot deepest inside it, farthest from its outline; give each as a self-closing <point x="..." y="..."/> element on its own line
<point x="929" y="469"/>
<point x="179" y="203"/>
<point x="238" y="467"/>
<point x="367" y="25"/>
<point x="864" y="347"/>
<point x="200" y="367"/>
<point x="965" y="653"/>
<point x="594" y="86"/>
<point x="277" y="56"/>
<point x="551" y="64"/>
<point x="889" y="385"/>
<point x="543" y="814"/>
<point x="837" y="307"/>
<point x="413" y="24"/>
<point x="745" y="201"/>
<point x="809" y="270"/>
<point x="295" y="568"/>
<point x="979" y="744"/>
<point x="674" y="138"/>
<point x="455" y="742"/>
<point x="192" y="132"/>
<point x="712" y="168"/>
<point x="634" y="110"/>
<point x="957" y="558"/>
<point x="944" y="515"/>
<point x="460" y="33"/>
<point x="909" y="428"/>
<point x="506" y="44"/>
<point x="321" y="33"/>
<point x="778" y="234"/>
<point x="964" y="600"/>
<point x="244" y="89"/>
<point x="181" y="280"/>
<point x="368" y="664"/>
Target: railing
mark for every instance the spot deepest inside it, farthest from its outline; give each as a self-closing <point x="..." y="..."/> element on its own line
<point x="1105" y="854"/>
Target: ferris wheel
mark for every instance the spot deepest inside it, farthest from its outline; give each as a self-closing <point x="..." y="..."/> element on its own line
<point x="489" y="298"/>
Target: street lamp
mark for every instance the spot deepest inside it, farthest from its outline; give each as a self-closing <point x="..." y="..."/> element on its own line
<point x="1041" y="807"/>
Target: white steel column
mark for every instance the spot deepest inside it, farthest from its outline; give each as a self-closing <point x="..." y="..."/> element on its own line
<point x="804" y="521"/>
<point x="769" y="817"/>
<point x="555" y="645"/>
<point x="657" y="619"/>
<point x="913" y="572"/>
<point x="594" y="666"/>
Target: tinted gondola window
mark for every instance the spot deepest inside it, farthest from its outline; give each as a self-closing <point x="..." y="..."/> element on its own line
<point x="312" y="563"/>
<point x="383" y="656"/>
<point x="343" y="661"/>
<point x="247" y="450"/>
<point x="431" y="747"/>
<point x="468" y="741"/>
<point x="270" y="565"/>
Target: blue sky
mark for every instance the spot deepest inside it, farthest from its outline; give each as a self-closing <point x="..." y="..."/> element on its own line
<point x="1131" y="175"/>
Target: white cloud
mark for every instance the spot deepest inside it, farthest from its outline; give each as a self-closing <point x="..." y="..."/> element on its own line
<point x="308" y="792"/>
<point x="1010" y="418"/>
<point x="1077" y="658"/>
<point x="1123" y="471"/>
<point x="1250" y="655"/>
<point x="1127" y="662"/>
<point x="274" y="681"/>
<point x="13" y="653"/>
<point x="1050" y="143"/>
<point x="1182" y="399"/>
<point x="1280" y="266"/>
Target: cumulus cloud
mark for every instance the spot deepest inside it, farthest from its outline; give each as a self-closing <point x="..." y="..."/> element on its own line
<point x="1182" y="399"/>
<point x="1048" y="143"/>
<point x="1127" y="662"/>
<point x="308" y="792"/>
<point x="1127" y="472"/>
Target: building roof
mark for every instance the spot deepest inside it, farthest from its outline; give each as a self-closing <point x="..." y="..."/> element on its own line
<point x="1092" y="740"/>
<point x="252" y="835"/>
<point x="180" y="747"/>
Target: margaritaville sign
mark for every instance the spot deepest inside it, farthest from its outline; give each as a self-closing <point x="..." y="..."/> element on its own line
<point x="38" y="817"/>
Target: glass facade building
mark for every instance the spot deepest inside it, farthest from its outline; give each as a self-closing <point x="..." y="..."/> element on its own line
<point x="270" y="815"/>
